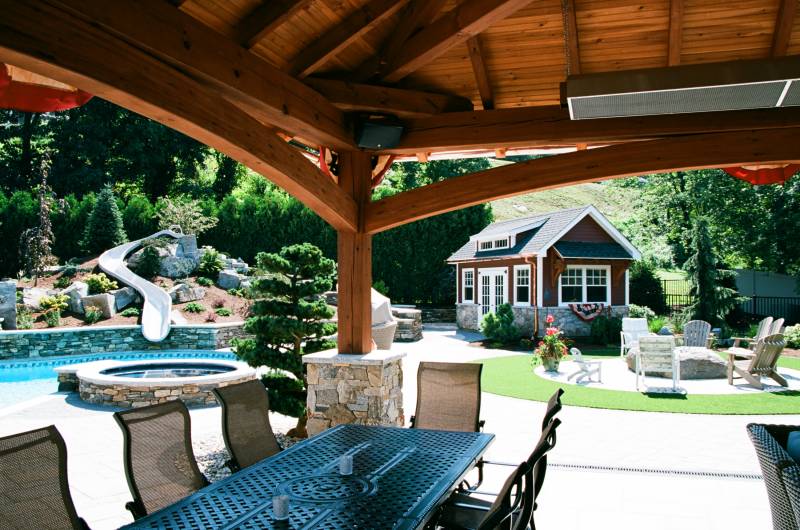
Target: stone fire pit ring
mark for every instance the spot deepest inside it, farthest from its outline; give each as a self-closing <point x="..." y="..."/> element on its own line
<point x="138" y="383"/>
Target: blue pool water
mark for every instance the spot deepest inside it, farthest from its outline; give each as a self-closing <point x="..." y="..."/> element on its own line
<point x="24" y="380"/>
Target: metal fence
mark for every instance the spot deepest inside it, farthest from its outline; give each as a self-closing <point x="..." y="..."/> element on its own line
<point x="676" y="294"/>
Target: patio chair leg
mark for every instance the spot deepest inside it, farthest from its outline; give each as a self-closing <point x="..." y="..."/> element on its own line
<point x="730" y="371"/>
<point x="753" y="380"/>
<point x="779" y="378"/>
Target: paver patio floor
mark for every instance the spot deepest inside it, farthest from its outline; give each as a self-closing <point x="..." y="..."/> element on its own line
<point x="680" y="468"/>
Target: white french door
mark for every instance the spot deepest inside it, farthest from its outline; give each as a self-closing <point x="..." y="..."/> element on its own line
<point x="494" y="289"/>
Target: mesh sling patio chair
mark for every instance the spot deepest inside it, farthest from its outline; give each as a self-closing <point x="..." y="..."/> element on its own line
<point x="695" y="333"/>
<point x="762" y="362"/>
<point x="159" y="462"/>
<point x="780" y="472"/>
<point x="245" y="423"/>
<point x="33" y="482"/>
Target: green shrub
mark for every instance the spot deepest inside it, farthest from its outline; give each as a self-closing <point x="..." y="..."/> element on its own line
<point x="131" y="312"/>
<point x="58" y="303"/>
<point x="641" y="311"/>
<point x="645" y="287"/>
<point x="792" y="334"/>
<point x="605" y="330"/>
<point x="92" y="314"/>
<point x="194" y="307"/>
<point x="381" y="287"/>
<point x="499" y="327"/>
<point x="62" y="282"/>
<point x="186" y="213"/>
<point x="210" y="264"/>
<point x="24" y="317"/>
<point x="240" y="292"/>
<point x="204" y="282"/>
<point x="104" y="229"/>
<point x="100" y="283"/>
<point x="149" y="263"/>
<point x="217" y="303"/>
<point x="679" y="319"/>
<point x="656" y="324"/>
<point x="69" y="271"/>
<point x="52" y="317"/>
<point x="223" y="311"/>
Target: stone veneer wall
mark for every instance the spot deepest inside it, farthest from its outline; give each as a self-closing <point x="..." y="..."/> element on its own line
<point x="23" y="344"/>
<point x="468" y="317"/>
<point x="360" y="389"/>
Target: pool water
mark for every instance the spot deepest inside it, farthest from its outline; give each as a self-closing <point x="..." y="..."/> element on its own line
<point x="28" y="379"/>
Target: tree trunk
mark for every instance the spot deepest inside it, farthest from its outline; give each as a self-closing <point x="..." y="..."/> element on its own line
<point x="299" y="430"/>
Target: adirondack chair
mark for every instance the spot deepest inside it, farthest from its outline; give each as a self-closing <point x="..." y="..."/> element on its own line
<point x="777" y="327"/>
<point x="632" y="329"/>
<point x="763" y="361"/>
<point x="657" y="354"/>
<point x="586" y="369"/>
<point x="764" y="329"/>
<point x="695" y="333"/>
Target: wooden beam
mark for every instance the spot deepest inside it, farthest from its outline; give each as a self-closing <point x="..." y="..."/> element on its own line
<point x="476" y="56"/>
<point x="271" y="96"/>
<point x="417" y="14"/>
<point x="548" y="127"/>
<point x="639" y="158"/>
<point x="265" y="18"/>
<point x="53" y="42"/>
<point x="571" y="35"/>
<point x="354" y="254"/>
<point x="177" y="3"/>
<point x="783" y="27"/>
<point x="464" y="21"/>
<point x="400" y="102"/>
<point x="342" y="35"/>
<point x="675" y="32"/>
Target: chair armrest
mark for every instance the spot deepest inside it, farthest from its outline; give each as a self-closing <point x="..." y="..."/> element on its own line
<point x="470" y="506"/>
<point x="481" y="424"/>
<point x="136" y="508"/>
<point x="412" y="421"/>
<point x="495" y="463"/>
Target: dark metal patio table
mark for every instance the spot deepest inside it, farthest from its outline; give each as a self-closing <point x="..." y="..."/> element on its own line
<point x="399" y="478"/>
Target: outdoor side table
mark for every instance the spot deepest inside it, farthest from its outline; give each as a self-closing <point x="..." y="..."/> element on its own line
<point x="400" y="476"/>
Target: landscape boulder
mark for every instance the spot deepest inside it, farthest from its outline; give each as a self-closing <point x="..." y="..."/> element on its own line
<point x="31" y="296"/>
<point x="187" y="248"/>
<point x="230" y="279"/>
<point x="696" y="363"/>
<point x="175" y="267"/>
<point x="124" y="297"/>
<point x="104" y="302"/>
<point x="76" y="291"/>
<point x="182" y="293"/>
<point x="8" y="304"/>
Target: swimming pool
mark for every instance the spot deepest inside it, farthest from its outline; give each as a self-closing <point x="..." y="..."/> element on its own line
<point x="24" y="380"/>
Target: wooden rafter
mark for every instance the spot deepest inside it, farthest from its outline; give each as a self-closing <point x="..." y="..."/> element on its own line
<point x="177" y="3"/>
<point x="265" y="18"/>
<point x="571" y="35"/>
<point x="342" y="35"/>
<point x="416" y="15"/>
<point x="477" y="57"/>
<point x="271" y="96"/>
<point x="400" y="102"/>
<point x="783" y="27"/>
<point x="639" y="158"/>
<point x="61" y="44"/>
<point x="545" y="127"/>
<point x="466" y="20"/>
<point x="675" y="32"/>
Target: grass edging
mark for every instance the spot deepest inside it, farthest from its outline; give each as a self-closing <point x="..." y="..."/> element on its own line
<point x="513" y="377"/>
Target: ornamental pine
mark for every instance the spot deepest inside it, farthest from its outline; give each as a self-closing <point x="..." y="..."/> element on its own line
<point x="104" y="229"/>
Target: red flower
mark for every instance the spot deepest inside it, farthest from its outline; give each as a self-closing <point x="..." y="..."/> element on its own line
<point x="550" y="319"/>
<point x="551" y="331"/>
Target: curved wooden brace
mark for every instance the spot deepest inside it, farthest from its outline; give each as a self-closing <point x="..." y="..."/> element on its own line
<point x="625" y="160"/>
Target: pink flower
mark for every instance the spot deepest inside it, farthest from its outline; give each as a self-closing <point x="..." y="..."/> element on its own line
<point x="550" y="319"/>
<point x="541" y="343"/>
<point x="551" y="331"/>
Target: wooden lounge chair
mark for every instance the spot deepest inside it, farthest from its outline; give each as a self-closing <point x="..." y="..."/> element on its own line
<point x="657" y="354"/>
<point x="159" y="462"/>
<point x="764" y="329"/>
<point x="780" y="472"/>
<point x="695" y="333"/>
<point x="586" y="369"/>
<point x="777" y="326"/>
<point x="632" y="329"/>
<point x="762" y="362"/>
<point x="34" y="490"/>
<point x="245" y="423"/>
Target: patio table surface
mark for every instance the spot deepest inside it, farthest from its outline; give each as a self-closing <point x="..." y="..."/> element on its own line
<point x="399" y="478"/>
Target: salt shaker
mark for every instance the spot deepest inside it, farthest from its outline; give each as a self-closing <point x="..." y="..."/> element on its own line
<point x="280" y="506"/>
<point x="346" y="465"/>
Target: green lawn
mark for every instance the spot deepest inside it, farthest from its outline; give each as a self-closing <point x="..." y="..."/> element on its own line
<point x="674" y="288"/>
<point x="513" y="376"/>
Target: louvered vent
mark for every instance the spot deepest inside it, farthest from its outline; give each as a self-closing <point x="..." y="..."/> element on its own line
<point x="714" y="87"/>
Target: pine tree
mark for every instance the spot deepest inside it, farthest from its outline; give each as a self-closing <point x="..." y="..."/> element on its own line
<point x="105" y="228"/>
<point x="711" y="300"/>
<point x="289" y="320"/>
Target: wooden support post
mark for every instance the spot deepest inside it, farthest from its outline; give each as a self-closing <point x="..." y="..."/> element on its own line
<point x="355" y="260"/>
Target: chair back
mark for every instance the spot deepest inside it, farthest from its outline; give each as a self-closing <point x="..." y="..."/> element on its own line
<point x="553" y="407"/>
<point x="633" y="328"/>
<point x="695" y="333"/>
<point x="766" y="354"/>
<point x="159" y="461"/>
<point x="538" y="458"/>
<point x="770" y="442"/>
<point x="34" y="489"/>
<point x="448" y="396"/>
<point x="501" y="512"/>
<point x="577" y="356"/>
<point x="777" y="327"/>
<point x="655" y="353"/>
<point x="245" y="423"/>
<point x="764" y="328"/>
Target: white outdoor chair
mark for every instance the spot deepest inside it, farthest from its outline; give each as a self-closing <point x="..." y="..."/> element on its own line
<point x="632" y="329"/>
<point x="586" y="369"/>
<point x="657" y="354"/>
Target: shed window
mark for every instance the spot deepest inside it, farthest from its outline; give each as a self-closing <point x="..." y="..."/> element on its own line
<point x="468" y="283"/>
<point x="522" y="282"/>
<point x="582" y="285"/>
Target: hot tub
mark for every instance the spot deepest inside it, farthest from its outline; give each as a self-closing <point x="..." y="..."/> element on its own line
<point x="139" y="383"/>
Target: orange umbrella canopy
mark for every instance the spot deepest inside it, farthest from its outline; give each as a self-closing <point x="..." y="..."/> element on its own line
<point x="766" y="174"/>
<point x="25" y="91"/>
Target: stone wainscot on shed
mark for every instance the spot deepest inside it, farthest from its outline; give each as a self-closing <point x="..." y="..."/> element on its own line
<point x="561" y="263"/>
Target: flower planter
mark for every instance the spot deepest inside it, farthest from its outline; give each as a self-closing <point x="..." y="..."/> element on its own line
<point x="550" y="365"/>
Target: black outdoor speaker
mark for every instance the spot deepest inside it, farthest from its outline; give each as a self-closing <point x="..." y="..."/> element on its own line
<point x="378" y="132"/>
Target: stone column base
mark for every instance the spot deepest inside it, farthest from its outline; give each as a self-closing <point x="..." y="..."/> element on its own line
<point x="361" y="389"/>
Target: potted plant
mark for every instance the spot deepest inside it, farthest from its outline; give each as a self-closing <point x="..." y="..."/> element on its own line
<point x="552" y="347"/>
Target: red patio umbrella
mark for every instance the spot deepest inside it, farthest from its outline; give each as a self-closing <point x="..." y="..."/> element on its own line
<point x="766" y="174"/>
<point x="25" y="91"/>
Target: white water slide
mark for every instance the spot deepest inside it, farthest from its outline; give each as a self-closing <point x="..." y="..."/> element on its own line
<point x="157" y="302"/>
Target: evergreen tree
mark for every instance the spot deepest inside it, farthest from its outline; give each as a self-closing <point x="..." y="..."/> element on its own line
<point x="105" y="228"/>
<point x="711" y="300"/>
<point x="289" y="320"/>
